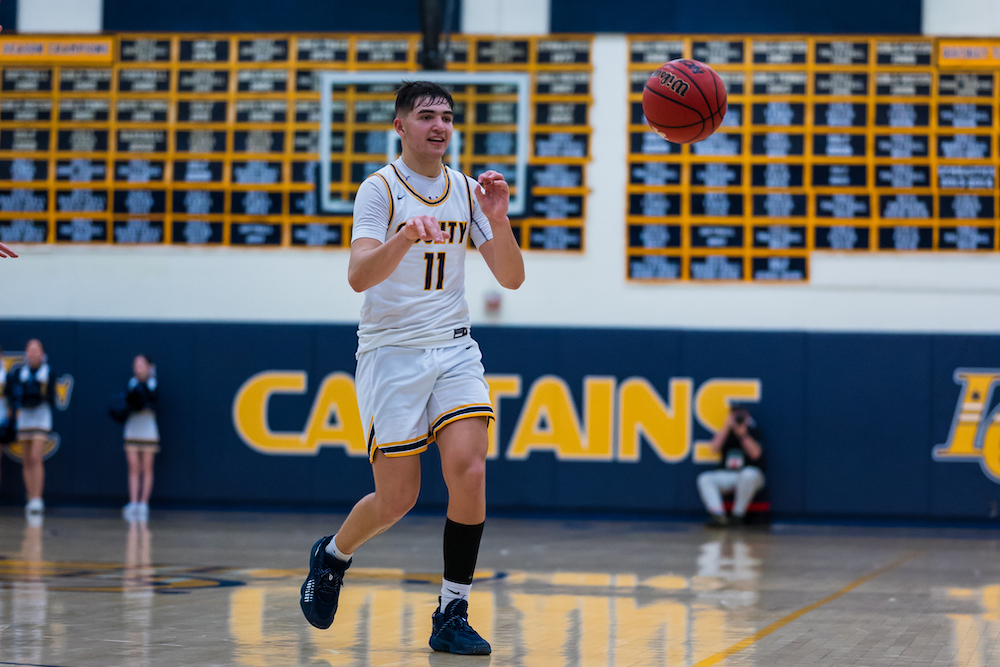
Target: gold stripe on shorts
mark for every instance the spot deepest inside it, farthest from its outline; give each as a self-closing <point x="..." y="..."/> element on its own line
<point x="393" y="449"/>
<point x="461" y="412"/>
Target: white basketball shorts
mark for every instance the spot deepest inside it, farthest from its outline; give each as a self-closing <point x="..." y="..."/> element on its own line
<point x="406" y="395"/>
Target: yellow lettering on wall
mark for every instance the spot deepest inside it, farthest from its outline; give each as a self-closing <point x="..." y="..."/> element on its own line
<point x="549" y="421"/>
<point x="990" y="446"/>
<point x="977" y="389"/>
<point x="598" y="408"/>
<point x="250" y="411"/>
<point x="642" y="412"/>
<point x="711" y="405"/>
<point x="501" y="386"/>
<point x="338" y="400"/>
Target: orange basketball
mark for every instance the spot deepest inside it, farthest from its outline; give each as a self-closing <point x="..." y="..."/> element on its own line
<point x="684" y="101"/>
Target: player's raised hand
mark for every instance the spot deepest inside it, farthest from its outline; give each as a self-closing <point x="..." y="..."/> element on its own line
<point x="424" y="228"/>
<point x="6" y="252"/>
<point x="493" y="194"/>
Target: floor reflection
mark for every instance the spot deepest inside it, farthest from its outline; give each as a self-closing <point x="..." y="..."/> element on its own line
<point x="728" y="572"/>
<point x="137" y="594"/>
<point x="29" y="596"/>
<point x="975" y="636"/>
<point x="578" y="619"/>
<point x="90" y="595"/>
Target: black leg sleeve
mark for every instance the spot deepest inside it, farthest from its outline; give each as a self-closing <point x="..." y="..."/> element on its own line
<point x="461" y="548"/>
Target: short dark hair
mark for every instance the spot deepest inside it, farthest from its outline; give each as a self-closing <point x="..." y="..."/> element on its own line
<point x="412" y="92"/>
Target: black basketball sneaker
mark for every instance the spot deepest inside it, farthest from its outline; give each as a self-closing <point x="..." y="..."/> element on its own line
<point x="321" y="589"/>
<point x="451" y="631"/>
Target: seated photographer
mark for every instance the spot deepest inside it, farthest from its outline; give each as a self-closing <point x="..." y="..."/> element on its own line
<point x="741" y="467"/>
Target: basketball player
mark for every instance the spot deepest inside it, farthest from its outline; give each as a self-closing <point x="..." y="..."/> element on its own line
<point x="6" y="252"/>
<point x="420" y="373"/>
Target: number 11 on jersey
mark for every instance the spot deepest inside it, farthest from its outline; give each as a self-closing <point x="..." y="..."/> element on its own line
<point x="429" y="272"/>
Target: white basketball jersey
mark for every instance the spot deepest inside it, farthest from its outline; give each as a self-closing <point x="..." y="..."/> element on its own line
<point x="421" y="303"/>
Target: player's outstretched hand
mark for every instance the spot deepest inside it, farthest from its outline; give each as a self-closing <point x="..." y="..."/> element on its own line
<point x="493" y="194"/>
<point x="6" y="252"/>
<point x="424" y="228"/>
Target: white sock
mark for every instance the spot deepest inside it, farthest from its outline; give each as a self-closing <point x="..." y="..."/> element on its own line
<point x="452" y="591"/>
<point x="332" y="549"/>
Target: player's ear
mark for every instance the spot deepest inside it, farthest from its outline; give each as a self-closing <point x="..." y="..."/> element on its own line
<point x="398" y="125"/>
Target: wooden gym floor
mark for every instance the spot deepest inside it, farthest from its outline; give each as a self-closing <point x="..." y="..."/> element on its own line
<point x="86" y="589"/>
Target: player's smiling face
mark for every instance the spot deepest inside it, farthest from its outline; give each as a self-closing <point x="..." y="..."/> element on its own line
<point x="427" y="129"/>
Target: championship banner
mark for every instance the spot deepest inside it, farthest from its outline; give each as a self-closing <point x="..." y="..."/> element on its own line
<point x="968" y="53"/>
<point x="56" y="50"/>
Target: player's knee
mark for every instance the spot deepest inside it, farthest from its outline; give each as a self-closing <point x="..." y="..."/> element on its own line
<point x="397" y="509"/>
<point x="475" y="472"/>
<point x="395" y="505"/>
<point x="471" y="475"/>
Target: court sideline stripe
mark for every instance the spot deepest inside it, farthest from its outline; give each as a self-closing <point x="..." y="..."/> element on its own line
<point x="782" y="622"/>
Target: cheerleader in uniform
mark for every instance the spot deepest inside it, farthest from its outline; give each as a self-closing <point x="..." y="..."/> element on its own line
<point x="30" y="391"/>
<point x="142" y="437"/>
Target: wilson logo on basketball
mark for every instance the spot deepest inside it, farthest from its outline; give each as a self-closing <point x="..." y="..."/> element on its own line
<point x="693" y="65"/>
<point x="668" y="80"/>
